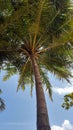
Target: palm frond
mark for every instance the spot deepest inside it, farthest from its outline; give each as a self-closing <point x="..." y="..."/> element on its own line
<point x="2" y="104"/>
<point x="57" y="63"/>
<point x="24" y="75"/>
<point x="40" y="8"/>
<point x="46" y="82"/>
<point x="9" y="72"/>
<point x="32" y="84"/>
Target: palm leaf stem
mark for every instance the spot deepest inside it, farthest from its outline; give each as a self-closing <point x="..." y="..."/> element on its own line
<point x="24" y="51"/>
<point x="54" y="18"/>
<point x="40" y="8"/>
<point x="51" y="47"/>
<point x="66" y="23"/>
<point x="7" y="50"/>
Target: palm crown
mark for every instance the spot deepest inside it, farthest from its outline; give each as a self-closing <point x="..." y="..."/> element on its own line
<point x="34" y="31"/>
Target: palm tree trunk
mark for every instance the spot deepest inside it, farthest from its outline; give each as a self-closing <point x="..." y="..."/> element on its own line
<point x="42" y="114"/>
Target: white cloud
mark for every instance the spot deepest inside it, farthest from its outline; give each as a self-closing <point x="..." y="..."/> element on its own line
<point x="56" y="128"/>
<point x="65" y="126"/>
<point x="64" y="90"/>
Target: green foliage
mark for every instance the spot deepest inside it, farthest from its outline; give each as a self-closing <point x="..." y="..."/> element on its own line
<point x="41" y="28"/>
<point x="68" y="101"/>
<point x="10" y="72"/>
<point x="46" y="82"/>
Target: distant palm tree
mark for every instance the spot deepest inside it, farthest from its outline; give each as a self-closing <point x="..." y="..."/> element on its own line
<point x="36" y="39"/>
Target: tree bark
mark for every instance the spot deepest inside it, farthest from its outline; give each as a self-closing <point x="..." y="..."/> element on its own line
<point x="42" y="114"/>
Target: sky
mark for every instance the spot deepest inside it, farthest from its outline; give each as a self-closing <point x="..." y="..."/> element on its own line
<point x="20" y="112"/>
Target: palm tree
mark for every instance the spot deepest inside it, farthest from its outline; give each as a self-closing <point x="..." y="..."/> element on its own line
<point x="36" y="38"/>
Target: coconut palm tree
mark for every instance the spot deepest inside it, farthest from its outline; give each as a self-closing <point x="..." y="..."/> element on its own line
<point x="36" y="38"/>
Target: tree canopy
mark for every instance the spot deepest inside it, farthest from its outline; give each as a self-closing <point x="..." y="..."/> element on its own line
<point x="44" y="27"/>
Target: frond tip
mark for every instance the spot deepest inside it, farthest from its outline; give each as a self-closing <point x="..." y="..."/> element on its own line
<point x="47" y="83"/>
<point x="2" y="104"/>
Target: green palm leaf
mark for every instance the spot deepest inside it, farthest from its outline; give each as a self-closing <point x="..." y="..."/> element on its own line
<point x="2" y="104"/>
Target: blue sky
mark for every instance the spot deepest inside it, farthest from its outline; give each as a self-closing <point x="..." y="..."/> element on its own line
<point x="20" y="113"/>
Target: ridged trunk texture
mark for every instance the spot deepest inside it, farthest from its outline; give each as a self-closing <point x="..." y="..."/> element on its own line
<point x="42" y="114"/>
